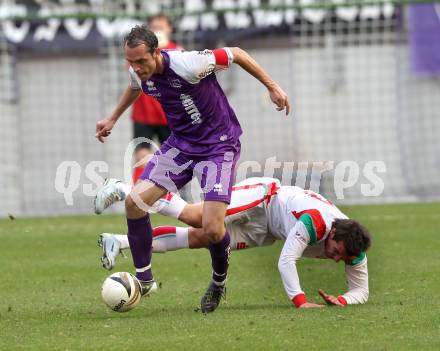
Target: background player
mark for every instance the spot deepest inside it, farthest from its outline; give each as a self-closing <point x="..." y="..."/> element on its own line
<point x="261" y="212"/>
<point x="204" y="142"/>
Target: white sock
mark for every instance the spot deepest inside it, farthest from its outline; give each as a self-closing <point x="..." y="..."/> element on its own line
<point x="223" y="282"/>
<point x="123" y="189"/>
<point x="123" y="240"/>
<point x="170" y="238"/>
<point x="170" y="205"/>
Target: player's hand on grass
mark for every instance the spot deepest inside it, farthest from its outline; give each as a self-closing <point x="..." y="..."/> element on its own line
<point x="330" y="299"/>
<point x="279" y="98"/>
<point x="104" y="128"/>
<point x="311" y="305"/>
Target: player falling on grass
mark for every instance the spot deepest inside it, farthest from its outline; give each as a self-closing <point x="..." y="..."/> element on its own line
<point x="204" y="142"/>
<point x="261" y="212"/>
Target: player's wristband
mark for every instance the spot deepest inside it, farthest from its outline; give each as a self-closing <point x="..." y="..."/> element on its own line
<point x="299" y="300"/>
<point x="342" y="300"/>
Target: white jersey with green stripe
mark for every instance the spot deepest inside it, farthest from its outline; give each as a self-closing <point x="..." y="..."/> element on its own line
<point x="300" y="217"/>
<point x="304" y="219"/>
<point x="292" y="203"/>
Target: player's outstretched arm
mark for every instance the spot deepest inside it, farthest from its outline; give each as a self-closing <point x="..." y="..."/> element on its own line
<point x="104" y="126"/>
<point x="277" y="95"/>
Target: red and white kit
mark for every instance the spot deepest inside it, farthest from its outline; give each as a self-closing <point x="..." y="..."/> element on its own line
<point x="262" y="211"/>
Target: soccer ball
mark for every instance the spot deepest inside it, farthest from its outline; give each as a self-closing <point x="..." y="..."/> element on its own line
<point x="121" y="291"/>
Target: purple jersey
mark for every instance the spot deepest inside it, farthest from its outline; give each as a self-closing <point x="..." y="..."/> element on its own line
<point x="199" y="115"/>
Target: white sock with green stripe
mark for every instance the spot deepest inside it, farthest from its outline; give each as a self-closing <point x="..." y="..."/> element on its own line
<point x="169" y="238"/>
<point x="170" y="205"/>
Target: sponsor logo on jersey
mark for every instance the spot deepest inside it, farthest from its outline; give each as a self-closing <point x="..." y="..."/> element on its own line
<point x="210" y="68"/>
<point x="205" y="52"/>
<point x="191" y="109"/>
<point x="175" y="83"/>
<point x="206" y="72"/>
<point x="150" y="85"/>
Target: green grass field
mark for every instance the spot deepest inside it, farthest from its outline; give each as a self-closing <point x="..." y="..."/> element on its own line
<point x="51" y="278"/>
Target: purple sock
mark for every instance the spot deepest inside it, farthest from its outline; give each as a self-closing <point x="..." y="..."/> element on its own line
<point x="220" y="258"/>
<point x="140" y="237"/>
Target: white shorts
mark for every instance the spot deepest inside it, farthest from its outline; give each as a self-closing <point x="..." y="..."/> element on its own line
<point x="249" y="229"/>
<point x="246" y="220"/>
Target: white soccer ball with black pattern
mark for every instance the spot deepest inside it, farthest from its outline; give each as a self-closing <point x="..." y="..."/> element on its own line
<point x="121" y="291"/>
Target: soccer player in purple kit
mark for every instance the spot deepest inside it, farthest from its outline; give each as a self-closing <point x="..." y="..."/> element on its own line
<point x="204" y="142"/>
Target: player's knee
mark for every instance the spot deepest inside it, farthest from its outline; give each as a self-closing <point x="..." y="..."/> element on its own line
<point x="214" y="232"/>
<point x="196" y="219"/>
<point x="133" y="206"/>
<point x="130" y="205"/>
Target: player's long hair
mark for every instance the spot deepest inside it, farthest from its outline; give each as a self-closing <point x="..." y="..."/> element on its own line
<point x="355" y="236"/>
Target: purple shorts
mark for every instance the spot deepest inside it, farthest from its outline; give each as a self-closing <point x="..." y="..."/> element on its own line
<point x="171" y="168"/>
